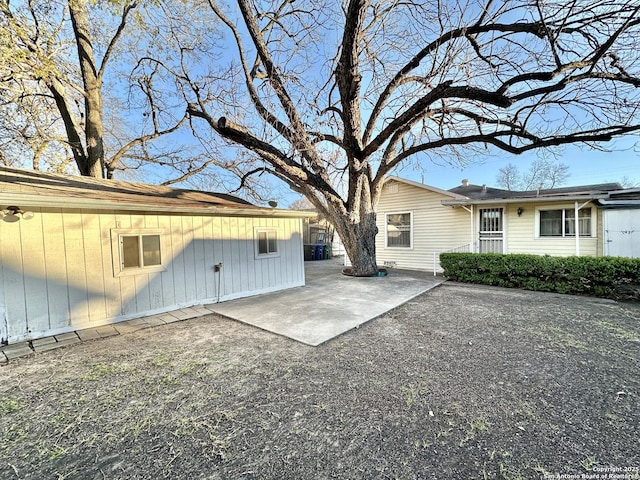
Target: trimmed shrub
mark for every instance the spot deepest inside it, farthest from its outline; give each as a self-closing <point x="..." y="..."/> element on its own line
<point x="608" y="277"/>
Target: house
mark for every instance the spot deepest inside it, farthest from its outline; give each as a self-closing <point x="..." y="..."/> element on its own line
<point x="417" y="222"/>
<point x="78" y="252"/>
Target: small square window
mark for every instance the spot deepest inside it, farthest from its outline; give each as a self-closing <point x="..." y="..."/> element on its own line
<point x="140" y="251"/>
<point x="136" y="252"/>
<point x="267" y="243"/>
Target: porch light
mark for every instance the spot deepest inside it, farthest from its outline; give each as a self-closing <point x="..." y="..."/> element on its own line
<point x="13" y="214"/>
<point x="519" y="211"/>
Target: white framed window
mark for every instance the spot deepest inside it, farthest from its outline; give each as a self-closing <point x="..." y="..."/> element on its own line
<point x="398" y="230"/>
<point x="136" y="251"/>
<point x="266" y="240"/>
<point x="561" y="222"/>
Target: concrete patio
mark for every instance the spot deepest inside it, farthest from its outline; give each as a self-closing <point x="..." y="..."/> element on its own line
<point x="329" y="304"/>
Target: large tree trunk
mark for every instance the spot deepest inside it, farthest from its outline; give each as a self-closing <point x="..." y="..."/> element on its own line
<point x="359" y="239"/>
<point x="357" y="228"/>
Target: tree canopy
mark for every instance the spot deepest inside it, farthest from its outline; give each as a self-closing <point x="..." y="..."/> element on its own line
<point x="332" y="96"/>
<point x="67" y="93"/>
<point x="542" y="173"/>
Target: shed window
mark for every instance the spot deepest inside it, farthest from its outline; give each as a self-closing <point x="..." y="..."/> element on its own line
<point x="266" y="243"/>
<point x="137" y="251"/>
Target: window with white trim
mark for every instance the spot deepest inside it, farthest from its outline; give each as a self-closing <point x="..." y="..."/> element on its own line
<point x="561" y="222"/>
<point x="137" y="251"/>
<point x="266" y="243"/>
<point x="399" y="230"/>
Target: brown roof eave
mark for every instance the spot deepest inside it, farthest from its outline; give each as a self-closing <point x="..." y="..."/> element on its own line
<point x="554" y="198"/>
<point x="26" y="201"/>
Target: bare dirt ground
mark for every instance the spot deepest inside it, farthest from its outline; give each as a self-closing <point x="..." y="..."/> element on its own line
<point x="463" y="382"/>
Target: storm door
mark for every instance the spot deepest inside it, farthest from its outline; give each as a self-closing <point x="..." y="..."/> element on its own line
<point x="491" y="231"/>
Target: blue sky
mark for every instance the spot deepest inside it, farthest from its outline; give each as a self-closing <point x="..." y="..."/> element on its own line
<point x="586" y="166"/>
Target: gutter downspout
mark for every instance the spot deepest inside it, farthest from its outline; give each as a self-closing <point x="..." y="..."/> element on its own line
<point x="577" y="224"/>
<point x="470" y="210"/>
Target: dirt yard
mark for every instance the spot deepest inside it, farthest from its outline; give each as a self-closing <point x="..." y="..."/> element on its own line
<point x="463" y="382"/>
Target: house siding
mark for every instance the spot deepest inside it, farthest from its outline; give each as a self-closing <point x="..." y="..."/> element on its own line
<point x="436" y="228"/>
<point x="521" y="232"/>
<point x="57" y="269"/>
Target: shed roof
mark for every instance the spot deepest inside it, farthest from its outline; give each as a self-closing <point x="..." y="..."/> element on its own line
<point x="25" y="188"/>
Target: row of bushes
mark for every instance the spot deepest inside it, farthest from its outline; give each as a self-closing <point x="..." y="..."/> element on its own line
<point x="608" y="277"/>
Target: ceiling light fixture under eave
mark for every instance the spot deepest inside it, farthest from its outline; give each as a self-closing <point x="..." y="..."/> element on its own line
<point x="12" y="214"/>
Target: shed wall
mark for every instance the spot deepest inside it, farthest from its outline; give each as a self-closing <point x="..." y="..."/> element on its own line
<point x="57" y="269"/>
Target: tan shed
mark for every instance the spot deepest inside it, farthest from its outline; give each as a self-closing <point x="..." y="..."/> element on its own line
<point x="78" y="252"/>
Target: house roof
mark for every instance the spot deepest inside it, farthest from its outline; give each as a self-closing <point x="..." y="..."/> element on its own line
<point x="29" y="188"/>
<point x="628" y="198"/>
<point x="607" y="195"/>
<point x="447" y="193"/>
<point x="482" y="192"/>
<point x="477" y="194"/>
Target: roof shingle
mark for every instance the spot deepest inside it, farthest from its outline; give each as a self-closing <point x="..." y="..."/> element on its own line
<point x="37" y="183"/>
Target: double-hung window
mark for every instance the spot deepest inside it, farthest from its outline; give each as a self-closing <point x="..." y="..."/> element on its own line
<point x="399" y="230"/>
<point x="137" y="251"/>
<point x="266" y="243"/>
<point x="562" y="222"/>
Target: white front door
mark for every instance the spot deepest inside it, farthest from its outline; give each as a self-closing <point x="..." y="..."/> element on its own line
<point x="491" y="230"/>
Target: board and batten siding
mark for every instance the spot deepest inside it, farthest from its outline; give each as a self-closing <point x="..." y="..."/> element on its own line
<point x="57" y="270"/>
<point x="522" y="234"/>
<point x="436" y="228"/>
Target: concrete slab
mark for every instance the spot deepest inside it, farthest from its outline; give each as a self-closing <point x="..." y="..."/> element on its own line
<point x="59" y="344"/>
<point x="71" y="336"/>
<point x="170" y="318"/>
<point x="124" y="327"/>
<point x="106" y="331"/>
<point x="329" y="304"/>
<point x="154" y="321"/>
<point x="40" y="342"/>
<point x="17" y="350"/>
<point x="88" y="334"/>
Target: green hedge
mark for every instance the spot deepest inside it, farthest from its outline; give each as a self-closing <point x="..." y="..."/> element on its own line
<point x="608" y="277"/>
